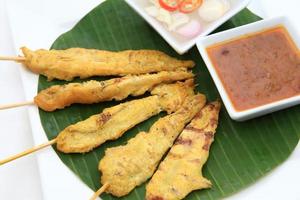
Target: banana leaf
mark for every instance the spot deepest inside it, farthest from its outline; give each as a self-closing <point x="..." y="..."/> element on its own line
<point x="242" y="153"/>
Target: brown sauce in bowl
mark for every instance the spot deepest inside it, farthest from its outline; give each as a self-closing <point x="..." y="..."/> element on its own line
<point x="259" y="68"/>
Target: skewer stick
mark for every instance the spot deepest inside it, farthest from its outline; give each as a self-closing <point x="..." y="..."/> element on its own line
<point x="14" y="105"/>
<point x="29" y="151"/>
<point x="13" y="58"/>
<point x="100" y="191"/>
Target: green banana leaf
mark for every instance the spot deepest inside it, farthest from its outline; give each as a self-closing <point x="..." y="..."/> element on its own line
<point x="242" y="152"/>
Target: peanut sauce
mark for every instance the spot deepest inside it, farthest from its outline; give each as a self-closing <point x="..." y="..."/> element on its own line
<point x="259" y="68"/>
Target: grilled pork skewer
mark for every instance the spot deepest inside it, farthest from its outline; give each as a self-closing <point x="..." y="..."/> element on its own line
<point x="113" y="122"/>
<point x="58" y="97"/>
<point x="99" y="191"/>
<point x="125" y="167"/>
<point x="180" y="172"/>
<point x="78" y="62"/>
<point x="61" y="96"/>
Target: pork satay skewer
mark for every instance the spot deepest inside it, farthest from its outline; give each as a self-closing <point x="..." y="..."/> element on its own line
<point x="61" y="96"/>
<point x="181" y="171"/>
<point x="205" y="122"/>
<point x="13" y="58"/>
<point x="99" y="191"/>
<point x="27" y="152"/>
<point x="15" y="105"/>
<point x="113" y="122"/>
<point x="128" y="166"/>
<point x="78" y="62"/>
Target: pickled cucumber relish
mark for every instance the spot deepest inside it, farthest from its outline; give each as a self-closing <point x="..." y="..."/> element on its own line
<point x="186" y="18"/>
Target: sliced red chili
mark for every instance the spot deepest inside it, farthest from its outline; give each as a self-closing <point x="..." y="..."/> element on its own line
<point x="188" y="6"/>
<point x="169" y="5"/>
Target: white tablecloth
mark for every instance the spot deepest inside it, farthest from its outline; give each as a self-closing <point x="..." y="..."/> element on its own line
<point x="22" y="179"/>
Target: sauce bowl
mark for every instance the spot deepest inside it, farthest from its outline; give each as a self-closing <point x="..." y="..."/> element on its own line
<point x="236" y="33"/>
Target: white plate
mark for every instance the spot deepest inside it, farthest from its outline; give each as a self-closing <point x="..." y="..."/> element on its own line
<point x="238" y="32"/>
<point x="34" y="25"/>
<point x="182" y="46"/>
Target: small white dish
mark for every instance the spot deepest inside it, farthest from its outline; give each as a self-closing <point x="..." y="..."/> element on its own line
<point x="182" y="46"/>
<point x="259" y="26"/>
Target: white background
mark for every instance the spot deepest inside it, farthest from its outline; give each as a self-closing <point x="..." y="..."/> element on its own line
<point x="23" y="179"/>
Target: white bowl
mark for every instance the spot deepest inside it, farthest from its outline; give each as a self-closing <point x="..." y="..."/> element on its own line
<point x="203" y="43"/>
<point x="183" y="46"/>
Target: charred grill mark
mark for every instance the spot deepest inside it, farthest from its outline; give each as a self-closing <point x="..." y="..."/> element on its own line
<point x="174" y="156"/>
<point x="208" y="139"/>
<point x="213" y="122"/>
<point x="51" y="91"/>
<point x="182" y="141"/>
<point x="102" y="83"/>
<point x="195" y="161"/>
<point x="206" y="146"/>
<point x="94" y="92"/>
<point x="130" y="56"/>
<point x="198" y="115"/>
<point x="183" y="111"/>
<point x="184" y="175"/>
<point x="117" y="173"/>
<point x="211" y="107"/>
<point x="191" y="128"/>
<point x="156" y="198"/>
<point x="164" y="130"/>
<point x="174" y="190"/>
<point x="104" y="117"/>
<point x="209" y="135"/>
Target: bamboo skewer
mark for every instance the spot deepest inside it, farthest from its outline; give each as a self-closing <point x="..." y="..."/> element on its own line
<point x="28" y="151"/>
<point x="14" y="105"/>
<point x="13" y="58"/>
<point x="100" y="191"/>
